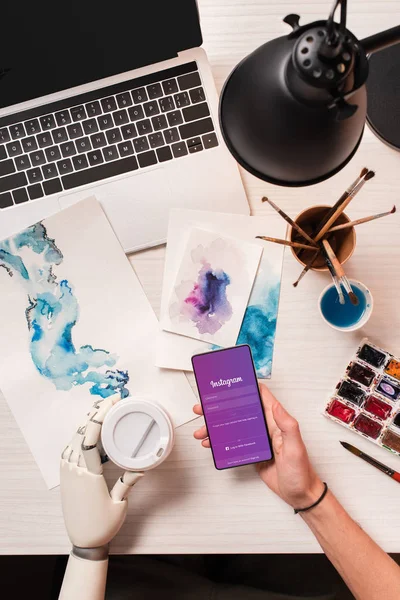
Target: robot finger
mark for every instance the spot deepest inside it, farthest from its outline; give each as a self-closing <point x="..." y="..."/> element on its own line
<point x="76" y="445"/>
<point x="72" y="452"/>
<point x="92" y="433"/>
<point x="122" y="486"/>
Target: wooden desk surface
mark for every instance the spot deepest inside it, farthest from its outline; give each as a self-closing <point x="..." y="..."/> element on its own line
<point x="186" y="506"/>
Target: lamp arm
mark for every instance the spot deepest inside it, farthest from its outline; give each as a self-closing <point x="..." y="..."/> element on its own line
<point x="331" y="23"/>
<point x="381" y="40"/>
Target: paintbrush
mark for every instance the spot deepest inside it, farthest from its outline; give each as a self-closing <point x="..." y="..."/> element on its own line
<point x="372" y="461"/>
<point x="343" y="197"/>
<point x="334" y="213"/>
<point x="339" y="271"/>
<point x="335" y="281"/>
<point x="307" y="267"/>
<point x="290" y="221"/>
<point x="341" y="205"/>
<point x="285" y="242"/>
<point x="361" y="221"/>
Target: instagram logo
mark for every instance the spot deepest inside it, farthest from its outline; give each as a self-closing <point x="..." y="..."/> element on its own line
<point x="226" y="382"/>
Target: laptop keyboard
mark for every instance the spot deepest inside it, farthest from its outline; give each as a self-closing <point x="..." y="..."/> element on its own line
<point x="91" y="137"/>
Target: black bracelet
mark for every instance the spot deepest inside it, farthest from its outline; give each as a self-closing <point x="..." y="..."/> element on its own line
<point x="297" y="510"/>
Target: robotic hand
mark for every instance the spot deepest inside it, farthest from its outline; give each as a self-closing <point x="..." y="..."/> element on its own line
<point x="93" y="515"/>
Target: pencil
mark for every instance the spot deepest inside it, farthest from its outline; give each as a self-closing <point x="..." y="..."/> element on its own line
<point x="289" y="220"/>
<point x="285" y="242"/>
<point x="361" y="221"/>
<point x="340" y="208"/>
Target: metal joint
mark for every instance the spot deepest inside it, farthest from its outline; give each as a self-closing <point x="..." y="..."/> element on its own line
<point x="100" y="553"/>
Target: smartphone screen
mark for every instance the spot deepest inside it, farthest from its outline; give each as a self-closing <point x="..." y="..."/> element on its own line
<point x="228" y="389"/>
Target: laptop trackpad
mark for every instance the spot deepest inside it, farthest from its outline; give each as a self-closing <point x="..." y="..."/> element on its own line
<point x="136" y="206"/>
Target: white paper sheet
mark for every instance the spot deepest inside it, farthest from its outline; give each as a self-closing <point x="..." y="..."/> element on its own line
<point x="258" y="328"/>
<point x="96" y="286"/>
<point x="212" y="287"/>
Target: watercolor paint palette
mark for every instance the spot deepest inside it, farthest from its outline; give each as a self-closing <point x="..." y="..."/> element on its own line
<point x="367" y="397"/>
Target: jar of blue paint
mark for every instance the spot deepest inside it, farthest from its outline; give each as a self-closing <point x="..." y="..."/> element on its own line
<point x="346" y="317"/>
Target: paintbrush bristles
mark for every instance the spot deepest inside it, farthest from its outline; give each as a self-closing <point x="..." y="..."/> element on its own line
<point x="353" y="299"/>
<point x="369" y="175"/>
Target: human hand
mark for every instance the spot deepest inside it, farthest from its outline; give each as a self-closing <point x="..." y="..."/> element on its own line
<point x="290" y="475"/>
<point x="92" y="514"/>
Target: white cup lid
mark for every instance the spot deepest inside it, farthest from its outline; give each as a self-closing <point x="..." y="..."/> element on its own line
<point x="137" y="435"/>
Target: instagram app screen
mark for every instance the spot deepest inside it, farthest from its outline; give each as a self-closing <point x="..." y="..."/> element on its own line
<point x="232" y="408"/>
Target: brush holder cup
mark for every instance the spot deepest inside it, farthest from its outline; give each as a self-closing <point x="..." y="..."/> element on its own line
<point x="343" y="242"/>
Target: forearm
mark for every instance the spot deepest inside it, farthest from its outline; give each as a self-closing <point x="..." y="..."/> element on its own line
<point x="367" y="570"/>
<point x="86" y="575"/>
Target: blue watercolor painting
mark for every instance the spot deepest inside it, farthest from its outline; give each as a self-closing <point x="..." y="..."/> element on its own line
<point x="259" y="327"/>
<point x="207" y="305"/>
<point x="51" y="314"/>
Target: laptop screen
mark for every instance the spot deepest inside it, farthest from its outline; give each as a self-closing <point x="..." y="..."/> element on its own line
<point x="47" y="46"/>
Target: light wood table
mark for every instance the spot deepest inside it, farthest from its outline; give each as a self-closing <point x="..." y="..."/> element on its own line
<point x="186" y="506"/>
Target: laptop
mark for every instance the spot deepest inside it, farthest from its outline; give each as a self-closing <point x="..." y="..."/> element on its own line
<point x="115" y="100"/>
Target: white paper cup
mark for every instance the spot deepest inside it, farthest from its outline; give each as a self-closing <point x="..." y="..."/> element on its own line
<point x="364" y="318"/>
<point x="137" y="435"/>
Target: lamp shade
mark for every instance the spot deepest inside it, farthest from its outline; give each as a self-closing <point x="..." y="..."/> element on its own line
<point x="293" y="112"/>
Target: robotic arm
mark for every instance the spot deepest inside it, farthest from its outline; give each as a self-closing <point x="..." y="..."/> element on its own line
<point x="93" y="515"/>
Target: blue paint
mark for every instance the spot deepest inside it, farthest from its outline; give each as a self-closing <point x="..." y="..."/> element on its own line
<point x="51" y="315"/>
<point x="343" y="315"/>
<point x="10" y="263"/>
<point x="259" y="327"/>
<point x="36" y="238"/>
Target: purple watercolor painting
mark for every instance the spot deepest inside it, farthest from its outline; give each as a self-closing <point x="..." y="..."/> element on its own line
<point x="207" y="304"/>
<point x="212" y="287"/>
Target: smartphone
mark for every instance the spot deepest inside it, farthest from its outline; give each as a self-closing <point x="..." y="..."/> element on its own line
<point x="233" y="411"/>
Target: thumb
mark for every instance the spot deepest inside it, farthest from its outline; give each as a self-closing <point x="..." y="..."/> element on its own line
<point x="285" y="422"/>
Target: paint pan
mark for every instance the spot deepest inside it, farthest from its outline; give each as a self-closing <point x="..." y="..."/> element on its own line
<point x="378" y="407"/>
<point x="371" y="356"/>
<point x="367" y="398"/>
<point x="364" y="375"/>
<point x="341" y="411"/>
<point x="393" y="369"/>
<point x="351" y="391"/>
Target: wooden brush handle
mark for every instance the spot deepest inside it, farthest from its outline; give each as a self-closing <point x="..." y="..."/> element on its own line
<point x="334" y="260"/>
<point x="333" y="218"/>
<point x="331" y="212"/>
<point x="396" y="476"/>
<point x="285" y="242"/>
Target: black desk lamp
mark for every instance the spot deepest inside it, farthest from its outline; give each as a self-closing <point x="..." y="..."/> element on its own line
<point x="293" y="112"/>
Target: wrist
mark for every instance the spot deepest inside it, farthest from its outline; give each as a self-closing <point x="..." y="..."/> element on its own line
<point x="310" y="495"/>
<point x="94" y="554"/>
<point x="328" y="510"/>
